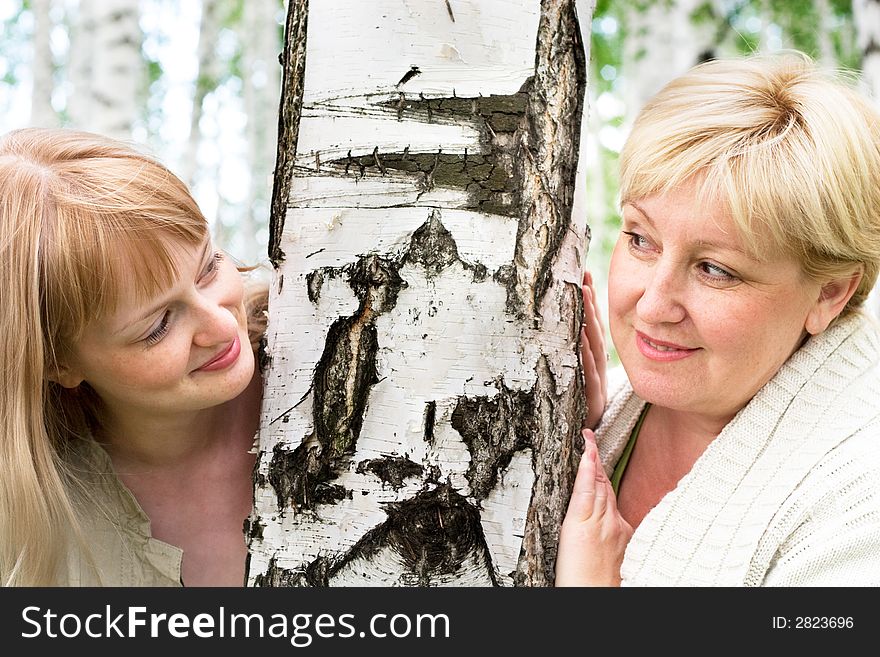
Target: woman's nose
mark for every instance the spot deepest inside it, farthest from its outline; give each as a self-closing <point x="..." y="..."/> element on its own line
<point x="214" y="324"/>
<point x="662" y="298"/>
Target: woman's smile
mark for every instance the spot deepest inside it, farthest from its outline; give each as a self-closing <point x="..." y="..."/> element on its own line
<point x="661" y="350"/>
<point x="227" y="356"/>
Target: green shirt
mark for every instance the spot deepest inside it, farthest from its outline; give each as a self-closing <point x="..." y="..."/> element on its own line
<point x="623" y="461"/>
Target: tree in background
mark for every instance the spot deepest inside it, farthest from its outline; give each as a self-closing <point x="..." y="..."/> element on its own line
<point x="197" y="83"/>
<point x="106" y="67"/>
<point x="867" y="22"/>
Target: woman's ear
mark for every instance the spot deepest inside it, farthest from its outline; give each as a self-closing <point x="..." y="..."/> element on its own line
<point x="64" y="376"/>
<point x="833" y="296"/>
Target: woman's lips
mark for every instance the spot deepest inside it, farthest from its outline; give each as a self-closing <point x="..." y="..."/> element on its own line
<point x="660" y="349"/>
<point x="223" y="359"/>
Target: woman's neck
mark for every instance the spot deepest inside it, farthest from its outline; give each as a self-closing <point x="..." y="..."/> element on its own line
<point x="688" y="432"/>
<point x="148" y="440"/>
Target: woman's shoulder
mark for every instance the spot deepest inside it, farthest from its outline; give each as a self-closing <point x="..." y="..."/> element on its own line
<point x="831" y="521"/>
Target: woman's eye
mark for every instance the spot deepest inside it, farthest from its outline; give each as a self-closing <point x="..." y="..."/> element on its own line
<point x="637" y="241"/>
<point x="715" y="272"/>
<point x="214" y="265"/>
<point x="159" y="332"/>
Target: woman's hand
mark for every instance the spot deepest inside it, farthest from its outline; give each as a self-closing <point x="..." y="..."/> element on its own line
<point x="594" y="357"/>
<point x="594" y="535"/>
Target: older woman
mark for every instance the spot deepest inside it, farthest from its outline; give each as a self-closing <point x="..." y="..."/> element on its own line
<point x="744" y="446"/>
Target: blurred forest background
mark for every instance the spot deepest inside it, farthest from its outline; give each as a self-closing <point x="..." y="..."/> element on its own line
<point x="197" y="82"/>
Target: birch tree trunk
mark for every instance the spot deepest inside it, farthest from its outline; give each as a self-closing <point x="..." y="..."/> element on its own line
<point x="42" y="113"/>
<point x="423" y="402"/>
<point x="79" y="69"/>
<point x="866" y="16"/>
<point x="107" y="70"/>
<point x="826" y="54"/>
<point x="206" y="80"/>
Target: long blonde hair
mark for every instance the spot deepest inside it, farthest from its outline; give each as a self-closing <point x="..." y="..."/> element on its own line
<point x="792" y="149"/>
<point x="80" y="215"/>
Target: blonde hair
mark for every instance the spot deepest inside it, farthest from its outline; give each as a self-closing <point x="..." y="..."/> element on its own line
<point x="82" y="218"/>
<point x="794" y="151"/>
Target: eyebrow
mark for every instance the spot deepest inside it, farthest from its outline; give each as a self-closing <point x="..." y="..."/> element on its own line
<point x="156" y="308"/>
<point x="704" y="243"/>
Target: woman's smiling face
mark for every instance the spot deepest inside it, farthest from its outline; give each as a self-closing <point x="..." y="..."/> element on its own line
<point x="699" y="324"/>
<point x="184" y="350"/>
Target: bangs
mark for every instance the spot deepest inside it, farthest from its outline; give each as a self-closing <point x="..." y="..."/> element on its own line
<point x="118" y="240"/>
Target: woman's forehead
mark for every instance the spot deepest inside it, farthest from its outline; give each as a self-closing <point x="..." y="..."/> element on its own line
<point x="146" y="272"/>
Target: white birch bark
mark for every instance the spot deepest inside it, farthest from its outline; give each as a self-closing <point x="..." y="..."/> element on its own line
<point x="107" y="74"/>
<point x="42" y="67"/>
<point x="206" y="80"/>
<point x="866" y="16"/>
<point x="423" y="393"/>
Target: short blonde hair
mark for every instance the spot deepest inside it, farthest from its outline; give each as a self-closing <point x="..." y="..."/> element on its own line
<point x="793" y="150"/>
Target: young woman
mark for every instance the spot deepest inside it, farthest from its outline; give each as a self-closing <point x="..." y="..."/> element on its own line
<point x="130" y="398"/>
<point x="743" y="447"/>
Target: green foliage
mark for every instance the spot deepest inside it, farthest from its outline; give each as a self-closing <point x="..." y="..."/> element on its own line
<point x="154" y="71"/>
<point x="704" y="13"/>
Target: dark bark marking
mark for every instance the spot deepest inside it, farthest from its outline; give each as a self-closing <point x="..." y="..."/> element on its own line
<point x="432" y="246"/>
<point x="489" y="177"/>
<point x="433" y="533"/>
<point x="314" y="283"/>
<point x="293" y="62"/>
<point x="378" y="161"/>
<point x="376" y="283"/>
<point x="300" y="478"/>
<point x="494" y="429"/>
<point x="342" y="381"/>
<point x="264" y="359"/>
<point x="343" y="377"/>
<point x="275" y="576"/>
<point x="449" y="9"/>
<point x="409" y="75"/>
<point x="253" y="529"/>
<point x="430" y="416"/>
<point x="392" y="470"/>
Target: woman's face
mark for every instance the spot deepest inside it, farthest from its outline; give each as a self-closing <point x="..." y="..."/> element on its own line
<point x="187" y="349"/>
<point x="699" y="325"/>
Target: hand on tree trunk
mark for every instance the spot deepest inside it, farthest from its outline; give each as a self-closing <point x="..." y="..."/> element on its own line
<point x="594" y="535"/>
<point x="594" y="357"/>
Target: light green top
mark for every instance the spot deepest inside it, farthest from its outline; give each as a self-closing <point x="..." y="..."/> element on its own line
<point x="117" y="530"/>
<point x="623" y="461"/>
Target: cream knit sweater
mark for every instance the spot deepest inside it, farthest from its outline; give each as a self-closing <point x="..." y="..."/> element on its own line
<point x="788" y="494"/>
